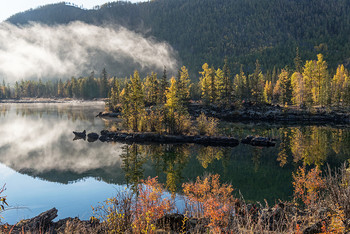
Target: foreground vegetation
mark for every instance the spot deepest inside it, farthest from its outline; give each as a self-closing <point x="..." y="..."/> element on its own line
<point x="320" y="205"/>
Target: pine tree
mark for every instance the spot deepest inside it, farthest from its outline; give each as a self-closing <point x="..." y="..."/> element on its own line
<point x="321" y="82"/>
<point x="256" y="83"/>
<point x="298" y="63"/>
<point x="183" y="86"/>
<point x="219" y="80"/>
<point x="172" y="105"/>
<point x="227" y="83"/>
<point x="204" y="83"/>
<point x="104" y="84"/>
<point x="125" y="101"/>
<point x="268" y="92"/>
<point x="285" y="87"/>
<point x="308" y="76"/>
<point x="164" y="84"/>
<point x="240" y="86"/>
<point x="297" y="84"/>
<point x="136" y="99"/>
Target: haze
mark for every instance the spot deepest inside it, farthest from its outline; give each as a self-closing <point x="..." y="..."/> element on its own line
<point x="40" y="51"/>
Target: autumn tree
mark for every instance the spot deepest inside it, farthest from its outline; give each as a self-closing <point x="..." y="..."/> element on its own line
<point x="297" y="85"/>
<point x="183" y="86"/>
<point x="320" y="87"/>
<point x="339" y="85"/>
<point x="172" y="104"/>
<point x="268" y="92"/>
<point x="136" y="99"/>
<point x="308" y="76"/>
<point x="151" y="88"/>
<point x="208" y="81"/>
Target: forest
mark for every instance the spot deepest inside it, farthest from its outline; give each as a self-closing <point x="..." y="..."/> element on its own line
<point x="207" y="31"/>
<point x="307" y="84"/>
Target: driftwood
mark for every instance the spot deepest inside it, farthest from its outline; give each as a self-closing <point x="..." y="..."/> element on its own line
<point x="163" y="139"/>
<point x="42" y="222"/>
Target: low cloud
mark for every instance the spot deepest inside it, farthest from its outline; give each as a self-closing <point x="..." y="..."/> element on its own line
<point x="62" y="51"/>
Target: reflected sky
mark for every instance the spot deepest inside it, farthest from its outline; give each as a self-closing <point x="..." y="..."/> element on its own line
<point x="36" y="140"/>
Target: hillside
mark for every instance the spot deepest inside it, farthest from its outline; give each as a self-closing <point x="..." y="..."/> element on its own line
<point x="208" y="30"/>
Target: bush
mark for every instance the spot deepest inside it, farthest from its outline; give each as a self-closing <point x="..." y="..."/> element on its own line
<point x="207" y="126"/>
<point x="135" y="212"/>
<point x="209" y="199"/>
<point x="3" y="202"/>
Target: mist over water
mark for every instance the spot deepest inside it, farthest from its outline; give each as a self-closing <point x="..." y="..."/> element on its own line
<point x="62" y="51"/>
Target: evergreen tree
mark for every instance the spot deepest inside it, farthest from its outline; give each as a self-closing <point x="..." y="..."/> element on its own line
<point x="227" y="83"/>
<point x="284" y="86"/>
<point x="183" y="86"/>
<point x="256" y="83"/>
<point x="240" y="86"/>
<point x="104" y="84"/>
<point x="164" y="84"/>
<point x="298" y="63"/>
<point x="136" y="99"/>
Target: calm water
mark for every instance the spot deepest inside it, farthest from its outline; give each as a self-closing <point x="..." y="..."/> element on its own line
<point x="43" y="167"/>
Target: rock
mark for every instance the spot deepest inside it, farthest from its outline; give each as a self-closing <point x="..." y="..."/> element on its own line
<point x="103" y="138"/>
<point x="247" y="140"/>
<point x="41" y="222"/>
<point x="317" y="227"/>
<point x="92" y="137"/>
<point x="258" y="141"/>
<point x="104" y="132"/>
<point x="80" y="135"/>
<point x="172" y="222"/>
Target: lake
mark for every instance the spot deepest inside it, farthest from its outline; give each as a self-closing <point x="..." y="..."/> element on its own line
<point x="43" y="167"/>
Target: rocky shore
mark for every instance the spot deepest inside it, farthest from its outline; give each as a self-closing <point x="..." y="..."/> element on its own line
<point x="272" y="219"/>
<point x="273" y="113"/>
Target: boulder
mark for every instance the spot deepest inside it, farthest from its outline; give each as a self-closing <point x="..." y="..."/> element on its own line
<point x="80" y="135"/>
<point x="92" y="137"/>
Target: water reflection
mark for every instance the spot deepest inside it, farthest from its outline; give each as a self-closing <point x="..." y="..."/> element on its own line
<point x="36" y="140"/>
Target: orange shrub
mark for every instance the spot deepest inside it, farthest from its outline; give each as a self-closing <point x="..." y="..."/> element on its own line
<point x="307" y="186"/>
<point x="210" y="199"/>
<point x="149" y="205"/>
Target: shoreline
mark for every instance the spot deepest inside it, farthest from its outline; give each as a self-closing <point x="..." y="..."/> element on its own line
<point x="49" y="100"/>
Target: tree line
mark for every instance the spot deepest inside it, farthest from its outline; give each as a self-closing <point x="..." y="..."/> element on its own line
<point x="307" y="84"/>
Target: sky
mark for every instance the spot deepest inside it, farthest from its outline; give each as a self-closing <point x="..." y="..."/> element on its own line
<point x="14" y="6"/>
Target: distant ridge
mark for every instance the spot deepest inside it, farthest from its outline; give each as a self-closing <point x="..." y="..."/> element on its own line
<point x="210" y="30"/>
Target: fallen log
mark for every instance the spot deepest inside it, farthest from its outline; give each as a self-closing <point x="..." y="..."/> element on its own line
<point x="108" y="136"/>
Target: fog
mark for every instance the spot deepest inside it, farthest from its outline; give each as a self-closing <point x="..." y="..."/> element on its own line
<point x="42" y="141"/>
<point x="61" y="51"/>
